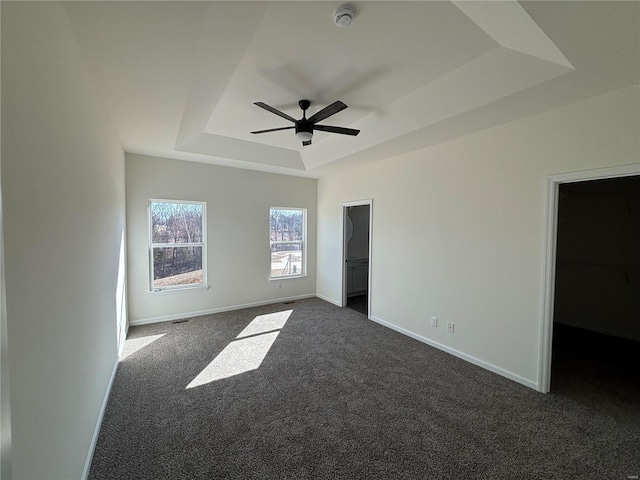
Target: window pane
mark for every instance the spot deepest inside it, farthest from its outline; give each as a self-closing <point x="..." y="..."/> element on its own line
<point x="176" y="222"/>
<point x="286" y="259"/>
<point x="177" y="266"/>
<point x="286" y="225"/>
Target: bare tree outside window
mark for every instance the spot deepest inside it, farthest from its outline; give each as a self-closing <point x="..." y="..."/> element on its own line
<point x="177" y="244"/>
<point x="287" y="239"/>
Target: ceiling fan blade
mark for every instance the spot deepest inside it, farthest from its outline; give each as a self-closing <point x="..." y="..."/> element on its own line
<point x="274" y="129"/>
<point x="274" y="110"/>
<point x="341" y="130"/>
<point x="306" y="142"/>
<point x="332" y="109"/>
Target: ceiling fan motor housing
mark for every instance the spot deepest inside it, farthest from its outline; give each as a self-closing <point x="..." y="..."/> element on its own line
<point x="305" y="128"/>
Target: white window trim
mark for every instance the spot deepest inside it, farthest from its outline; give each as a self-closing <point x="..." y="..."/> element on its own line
<point x="303" y="242"/>
<point x="150" y="246"/>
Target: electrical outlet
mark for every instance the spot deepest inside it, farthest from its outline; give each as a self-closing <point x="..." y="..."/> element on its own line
<point x="450" y="327"/>
<point x="279" y="286"/>
<point x="434" y="321"/>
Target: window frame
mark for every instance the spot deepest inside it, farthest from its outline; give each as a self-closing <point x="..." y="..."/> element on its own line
<point x="302" y="242"/>
<point x="150" y="246"/>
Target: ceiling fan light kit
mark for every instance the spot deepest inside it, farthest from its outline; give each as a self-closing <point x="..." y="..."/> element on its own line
<point x="305" y="126"/>
<point x="304" y="136"/>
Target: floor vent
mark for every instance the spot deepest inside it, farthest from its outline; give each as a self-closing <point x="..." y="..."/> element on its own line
<point x="181" y="321"/>
<point x="289" y="303"/>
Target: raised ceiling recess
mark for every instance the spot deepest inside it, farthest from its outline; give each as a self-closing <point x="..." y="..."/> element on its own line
<point x="179" y="78"/>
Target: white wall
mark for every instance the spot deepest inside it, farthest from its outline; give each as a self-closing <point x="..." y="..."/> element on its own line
<point x="238" y="204"/>
<point x="459" y="228"/>
<point x="63" y="197"/>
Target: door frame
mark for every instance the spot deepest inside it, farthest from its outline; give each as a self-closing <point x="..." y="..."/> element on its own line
<point x="5" y="407"/>
<point x="345" y="209"/>
<point x="546" y="325"/>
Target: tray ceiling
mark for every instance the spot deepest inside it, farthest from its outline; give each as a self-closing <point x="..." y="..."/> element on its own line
<point x="179" y="78"/>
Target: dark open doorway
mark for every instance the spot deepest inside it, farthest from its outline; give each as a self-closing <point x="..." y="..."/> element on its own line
<point x="357" y="248"/>
<point x="596" y="329"/>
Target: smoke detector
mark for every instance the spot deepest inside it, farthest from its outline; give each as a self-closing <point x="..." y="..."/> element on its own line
<point x="343" y="16"/>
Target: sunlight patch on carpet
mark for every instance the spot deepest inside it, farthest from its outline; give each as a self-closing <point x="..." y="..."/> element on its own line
<point x="266" y="323"/>
<point x="247" y="352"/>
<point x="132" y="345"/>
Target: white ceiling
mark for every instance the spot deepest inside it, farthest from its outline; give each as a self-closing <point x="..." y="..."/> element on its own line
<point x="179" y="79"/>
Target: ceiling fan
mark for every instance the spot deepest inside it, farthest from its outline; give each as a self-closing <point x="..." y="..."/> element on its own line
<point x="305" y="126"/>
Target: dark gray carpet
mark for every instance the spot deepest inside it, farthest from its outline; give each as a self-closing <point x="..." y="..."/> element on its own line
<point x="599" y="371"/>
<point x="339" y="396"/>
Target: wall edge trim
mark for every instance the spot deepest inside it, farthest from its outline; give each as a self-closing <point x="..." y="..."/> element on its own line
<point x="96" y="432"/>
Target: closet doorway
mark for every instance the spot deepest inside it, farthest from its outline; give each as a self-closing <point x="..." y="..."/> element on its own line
<point x="356" y="272"/>
<point x="591" y="284"/>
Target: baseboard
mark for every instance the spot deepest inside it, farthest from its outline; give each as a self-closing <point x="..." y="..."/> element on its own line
<point x="96" y="432"/>
<point x="456" y="353"/>
<point x="180" y="316"/>
<point x="330" y="300"/>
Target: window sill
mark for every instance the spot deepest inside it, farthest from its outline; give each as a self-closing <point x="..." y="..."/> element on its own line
<point x="286" y="277"/>
<point x="171" y="291"/>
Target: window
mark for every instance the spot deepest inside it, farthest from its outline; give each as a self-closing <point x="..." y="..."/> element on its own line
<point x="177" y="245"/>
<point x="287" y="235"/>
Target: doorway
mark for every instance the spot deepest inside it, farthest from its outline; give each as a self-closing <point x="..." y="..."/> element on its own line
<point x="593" y="257"/>
<point x="596" y="318"/>
<point x="356" y="220"/>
